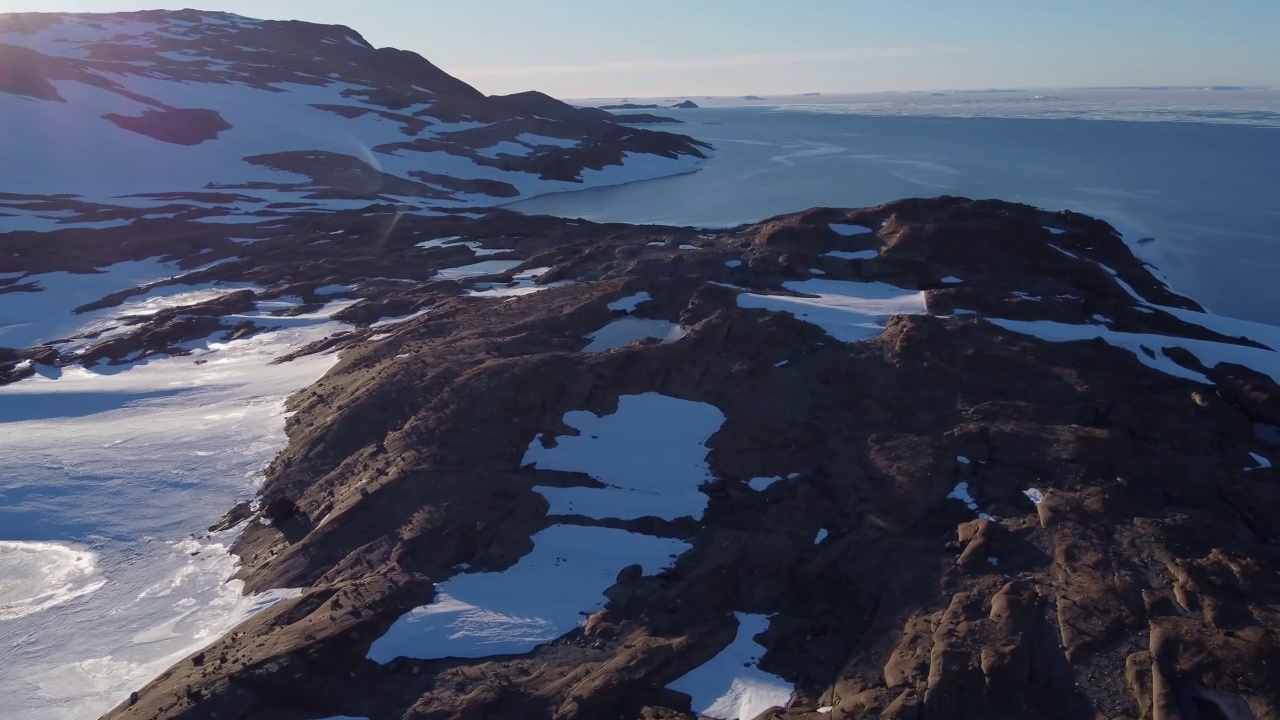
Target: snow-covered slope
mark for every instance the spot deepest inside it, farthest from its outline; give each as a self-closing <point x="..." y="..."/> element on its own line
<point x="215" y="114"/>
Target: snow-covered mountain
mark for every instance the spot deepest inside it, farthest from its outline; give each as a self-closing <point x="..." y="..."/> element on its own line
<point x="211" y="114"/>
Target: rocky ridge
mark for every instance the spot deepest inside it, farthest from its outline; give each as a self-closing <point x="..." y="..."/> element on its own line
<point x="1043" y="492"/>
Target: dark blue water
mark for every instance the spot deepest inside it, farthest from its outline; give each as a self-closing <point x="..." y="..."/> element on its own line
<point x="1208" y="193"/>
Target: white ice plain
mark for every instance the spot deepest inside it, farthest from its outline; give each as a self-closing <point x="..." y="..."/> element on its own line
<point x="111" y="473"/>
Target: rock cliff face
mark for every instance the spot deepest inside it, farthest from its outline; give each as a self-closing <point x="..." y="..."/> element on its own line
<point x="936" y="459"/>
<point x="204" y="114"/>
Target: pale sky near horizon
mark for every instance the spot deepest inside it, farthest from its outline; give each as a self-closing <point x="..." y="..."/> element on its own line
<point x="603" y="48"/>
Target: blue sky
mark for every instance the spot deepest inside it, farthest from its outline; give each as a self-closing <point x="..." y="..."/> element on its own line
<point x="606" y="48"/>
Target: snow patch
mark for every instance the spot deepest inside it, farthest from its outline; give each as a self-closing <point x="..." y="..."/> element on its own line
<point x="848" y="230"/>
<point x="546" y="593"/>
<point x="961" y="493"/>
<point x="454" y="241"/>
<point x="395" y="320"/>
<point x="761" y="484"/>
<point x="524" y="282"/>
<point x="630" y="302"/>
<point x="1207" y="352"/>
<point x="859" y="255"/>
<point x="730" y="686"/>
<point x="651" y="454"/>
<point x="848" y="311"/>
<point x="540" y="598"/>
<point x="480" y="269"/>
<point x="534" y="139"/>
<point x="505" y="147"/>
<point x="624" y="331"/>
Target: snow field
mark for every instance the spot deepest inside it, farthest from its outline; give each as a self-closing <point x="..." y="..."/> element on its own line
<point x="109" y="576"/>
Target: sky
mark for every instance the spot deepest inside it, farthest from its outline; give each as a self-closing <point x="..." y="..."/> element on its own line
<point x="676" y="48"/>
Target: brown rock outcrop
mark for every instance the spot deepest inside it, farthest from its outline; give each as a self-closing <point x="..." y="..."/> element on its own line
<point x="1142" y="584"/>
